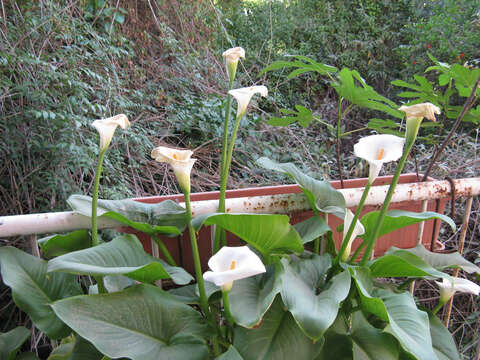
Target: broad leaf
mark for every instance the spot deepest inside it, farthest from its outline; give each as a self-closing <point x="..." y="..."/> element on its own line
<point x="33" y="289"/>
<point x="397" y="219"/>
<point x="442" y="340"/>
<point x="11" y="341"/>
<point x="230" y="354"/>
<point x="267" y="233"/>
<point x="313" y="304"/>
<point x="124" y="255"/>
<point x="364" y="284"/>
<point x="141" y="323"/>
<point x="27" y="356"/>
<point x="321" y="196"/>
<point x="277" y="338"/>
<point x="403" y="263"/>
<point x="439" y="261"/>
<point x="370" y="343"/>
<point x="56" y="245"/>
<point x="337" y="346"/>
<point x="250" y="298"/>
<point x="407" y="324"/>
<point x="166" y="217"/>
<point x="311" y="228"/>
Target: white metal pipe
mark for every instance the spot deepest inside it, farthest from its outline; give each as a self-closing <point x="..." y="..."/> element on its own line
<point x="281" y="204"/>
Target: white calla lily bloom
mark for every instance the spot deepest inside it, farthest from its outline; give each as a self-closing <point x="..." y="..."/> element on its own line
<point x="106" y="128"/>
<point x="233" y="263"/>
<point x="244" y="95"/>
<point x="377" y="150"/>
<point x="449" y="287"/>
<point x="181" y="163"/>
<point x="415" y="114"/>
<point x="231" y="57"/>
<point x="357" y="231"/>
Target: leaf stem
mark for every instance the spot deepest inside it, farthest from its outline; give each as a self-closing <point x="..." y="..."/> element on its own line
<point x="438" y="307"/>
<point x="164" y="249"/>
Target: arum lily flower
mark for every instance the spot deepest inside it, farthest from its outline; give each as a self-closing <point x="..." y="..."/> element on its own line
<point x="357" y="231"/>
<point x="233" y="263"/>
<point x="449" y="287"/>
<point x="415" y="115"/>
<point x="244" y="95"/>
<point x="231" y="57"/>
<point x="377" y="150"/>
<point x="181" y="163"/>
<point x="106" y="128"/>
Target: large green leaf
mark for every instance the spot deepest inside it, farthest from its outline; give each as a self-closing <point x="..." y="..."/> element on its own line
<point x="311" y="228"/>
<point x="33" y="289"/>
<point x="321" y="196"/>
<point x="442" y="340"/>
<point x="364" y="284"/>
<point x="166" y="217"/>
<point x="313" y="303"/>
<point x="270" y="234"/>
<point x="124" y="255"/>
<point x="250" y="298"/>
<point x="277" y="338"/>
<point x="407" y="324"/>
<point x="56" y="245"/>
<point x="230" y="354"/>
<point x="11" y="341"/>
<point x="397" y="219"/>
<point x="370" y="343"/>
<point x="141" y="323"/>
<point x="439" y="261"/>
<point x="403" y="263"/>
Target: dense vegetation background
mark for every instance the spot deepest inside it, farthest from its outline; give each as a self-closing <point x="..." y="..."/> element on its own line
<point x="65" y="63"/>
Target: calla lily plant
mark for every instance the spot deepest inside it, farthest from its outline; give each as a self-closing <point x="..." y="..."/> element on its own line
<point x="281" y="297"/>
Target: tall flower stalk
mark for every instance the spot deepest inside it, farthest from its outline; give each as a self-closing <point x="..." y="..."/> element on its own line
<point x="231" y="56"/>
<point x="106" y="128"/>
<point x="414" y="117"/>
<point x="243" y="97"/>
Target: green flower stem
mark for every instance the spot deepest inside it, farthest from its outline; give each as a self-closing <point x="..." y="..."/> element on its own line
<point x="165" y="251"/>
<point x="226" y="306"/>
<point x="220" y="240"/>
<point x="357" y="251"/>
<point x="374" y="235"/>
<point x="354" y="221"/>
<point x="219" y="232"/>
<point x="316" y="248"/>
<point x="338" y="140"/>
<point x="438" y="307"/>
<point x="101" y="286"/>
<point x="196" y="257"/>
<point x="96" y="185"/>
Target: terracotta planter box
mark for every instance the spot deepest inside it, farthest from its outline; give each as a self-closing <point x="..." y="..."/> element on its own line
<point x="406" y="237"/>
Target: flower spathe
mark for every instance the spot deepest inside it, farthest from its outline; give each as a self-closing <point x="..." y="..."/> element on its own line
<point x="106" y="128"/>
<point x="357" y="231"/>
<point x="244" y="95"/>
<point x="233" y="263"/>
<point x="449" y="286"/>
<point x="181" y="163"/>
<point x="377" y="150"/>
<point x="231" y="57"/>
<point x="415" y="114"/>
